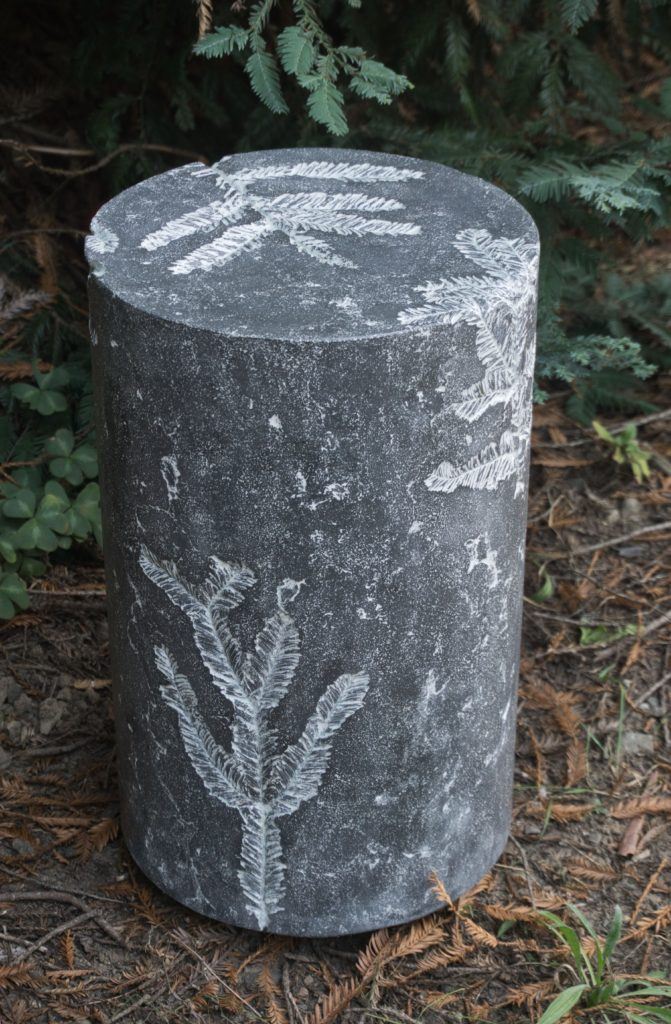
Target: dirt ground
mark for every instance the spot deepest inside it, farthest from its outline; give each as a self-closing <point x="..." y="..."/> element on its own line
<point x="85" y="937"/>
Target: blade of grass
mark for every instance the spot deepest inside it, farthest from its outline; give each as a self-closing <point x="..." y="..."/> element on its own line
<point x="598" y="949"/>
<point x="570" y="937"/>
<point x="614" y="933"/>
<point x="563" y="1004"/>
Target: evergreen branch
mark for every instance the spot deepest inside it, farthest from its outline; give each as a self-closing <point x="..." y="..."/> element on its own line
<point x="324" y="202"/>
<point x="325" y="103"/>
<point x="455" y="299"/>
<point x="362" y="172"/>
<point x="254" y="685"/>
<point x="165" y="575"/>
<point x="101" y="240"/>
<point x="576" y="12"/>
<point x="346" y="224"/>
<point x="497" y="339"/>
<point x="374" y="81"/>
<point x="295" y="50"/>
<point x="227" y="584"/>
<point x="225" y="39"/>
<point x="264" y="78"/>
<point x="609" y="187"/>
<point x="501" y="258"/>
<point x="318" y="250"/>
<point x="259" y="15"/>
<point x="212" y="651"/>
<point x="493" y="389"/>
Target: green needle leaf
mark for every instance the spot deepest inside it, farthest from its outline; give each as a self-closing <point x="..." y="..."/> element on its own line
<point x="265" y="80"/>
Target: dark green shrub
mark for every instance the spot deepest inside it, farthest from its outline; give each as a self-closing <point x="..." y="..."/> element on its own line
<point x="564" y="103"/>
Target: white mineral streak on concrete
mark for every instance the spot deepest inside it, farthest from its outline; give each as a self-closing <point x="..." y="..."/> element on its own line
<point x="171" y="475"/>
<point x="195" y="876"/>
<point x="430" y="691"/>
<point x="347" y="304"/>
<point x="287" y="591"/>
<point x="337" y="491"/>
<point x="507" y="721"/>
<point x="134" y="613"/>
<point x="450" y="784"/>
<point x="480" y="553"/>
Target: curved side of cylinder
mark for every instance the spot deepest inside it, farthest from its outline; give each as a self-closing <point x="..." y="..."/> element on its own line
<point x="315" y="560"/>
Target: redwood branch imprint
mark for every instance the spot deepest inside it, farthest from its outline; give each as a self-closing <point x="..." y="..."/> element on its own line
<point x="498" y="304"/>
<point x="260" y="782"/>
<point x="249" y="218"/>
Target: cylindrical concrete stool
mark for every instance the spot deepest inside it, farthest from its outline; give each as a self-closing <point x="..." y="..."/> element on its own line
<point x="313" y="375"/>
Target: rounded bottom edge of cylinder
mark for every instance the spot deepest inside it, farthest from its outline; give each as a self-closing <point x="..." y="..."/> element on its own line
<point x="369" y="923"/>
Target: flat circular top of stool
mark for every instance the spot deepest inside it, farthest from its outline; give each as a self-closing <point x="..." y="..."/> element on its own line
<point x="322" y="244"/>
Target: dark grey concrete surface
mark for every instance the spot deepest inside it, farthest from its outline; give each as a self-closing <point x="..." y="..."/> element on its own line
<point x="313" y="374"/>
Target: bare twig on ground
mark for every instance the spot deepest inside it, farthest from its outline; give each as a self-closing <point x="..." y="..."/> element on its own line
<point x="67" y="748"/>
<point x="41" y="943"/>
<point x="55" y="896"/>
<point x="292" y="1006"/>
<point x="71" y="891"/>
<point x="178" y="936"/>
<point x="588" y="549"/>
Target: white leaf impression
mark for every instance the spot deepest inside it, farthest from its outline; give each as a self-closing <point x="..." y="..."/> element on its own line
<point x="101" y="240"/>
<point x="499" y="304"/>
<point x="261" y="783"/>
<point x="293" y="214"/>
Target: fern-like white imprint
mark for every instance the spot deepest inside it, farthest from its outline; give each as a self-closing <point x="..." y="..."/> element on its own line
<point x="292" y="214"/>
<point x="101" y="240"/>
<point x="500" y="304"/>
<point x="260" y="782"/>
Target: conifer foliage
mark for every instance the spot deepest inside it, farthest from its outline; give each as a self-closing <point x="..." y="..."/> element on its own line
<point x="566" y="104"/>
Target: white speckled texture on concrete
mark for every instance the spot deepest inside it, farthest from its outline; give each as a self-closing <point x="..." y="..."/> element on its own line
<point x="315" y="368"/>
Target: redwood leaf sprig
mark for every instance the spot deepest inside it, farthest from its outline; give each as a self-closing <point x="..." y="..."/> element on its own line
<point x="305" y="52"/>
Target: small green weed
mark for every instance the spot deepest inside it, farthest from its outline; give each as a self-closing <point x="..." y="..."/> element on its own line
<point x="606" y="634"/>
<point x="626" y="450"/>
<point x="598" y="989"/>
